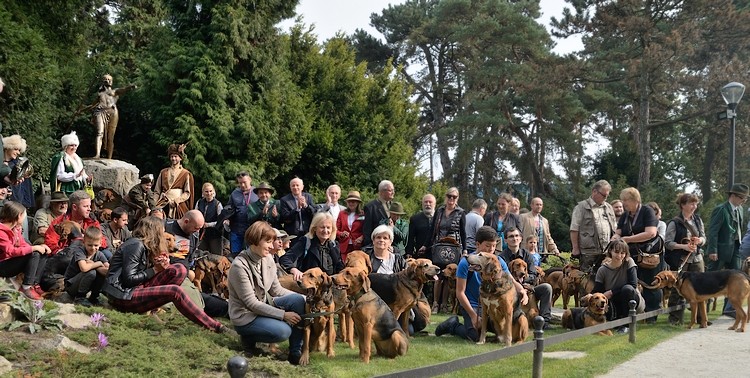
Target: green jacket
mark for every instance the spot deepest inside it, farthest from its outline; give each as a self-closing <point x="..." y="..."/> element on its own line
<point x="400" y="234"/>
<point x="722" y="231"/>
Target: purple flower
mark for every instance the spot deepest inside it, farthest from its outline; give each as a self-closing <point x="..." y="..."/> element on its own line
<point x="103" y="342"/>
<point x="38" y="304"/>
<point x="97" y="319"/>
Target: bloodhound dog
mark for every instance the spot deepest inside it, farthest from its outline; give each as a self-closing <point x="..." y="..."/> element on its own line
<point x="594" y="312"/>
<point x="320" y="332"/>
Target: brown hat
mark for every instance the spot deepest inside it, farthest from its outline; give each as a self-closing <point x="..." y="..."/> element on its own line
<point x="59" y="197"/>
<point x="740" y="190"/>
<point x="396" y="208"/>
<point x="176" y="149"/>
<point x="263" y="186"/>
<point x="353" y="196"/>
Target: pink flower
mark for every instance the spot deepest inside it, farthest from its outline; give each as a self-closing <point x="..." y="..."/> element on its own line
<point x="103" y="341"/>
<point x="38" y="304"/>
<point x="97" y="319"/>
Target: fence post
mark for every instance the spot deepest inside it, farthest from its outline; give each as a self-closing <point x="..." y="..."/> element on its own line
<point x="633" y="322"/>
<point x="539" y="351"/>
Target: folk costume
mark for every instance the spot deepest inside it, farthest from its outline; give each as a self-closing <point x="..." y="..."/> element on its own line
<point x="64" y="174"/>
<point x="174" y="186"/>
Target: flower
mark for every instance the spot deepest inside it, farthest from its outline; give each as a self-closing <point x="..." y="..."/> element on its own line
<point x="38" y="305"/>
<point x="97" y="319"/>
<point x="103" y="341"/>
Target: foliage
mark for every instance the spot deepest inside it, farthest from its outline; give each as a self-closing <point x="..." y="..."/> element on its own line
<point x="37" y="317"/>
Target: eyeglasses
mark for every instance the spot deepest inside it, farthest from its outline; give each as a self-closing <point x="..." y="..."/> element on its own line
<point x="513" y="236"/>
<point x="602" y="194"/>
<point x="451" y="196"/>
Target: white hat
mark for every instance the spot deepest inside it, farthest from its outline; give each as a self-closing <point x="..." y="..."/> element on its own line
<point x="69" y="139"/>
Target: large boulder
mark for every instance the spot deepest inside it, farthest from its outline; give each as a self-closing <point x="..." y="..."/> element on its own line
<point x="117" y="175"/>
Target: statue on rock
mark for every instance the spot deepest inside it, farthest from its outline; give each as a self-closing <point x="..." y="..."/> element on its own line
<point x="105" y="114"/>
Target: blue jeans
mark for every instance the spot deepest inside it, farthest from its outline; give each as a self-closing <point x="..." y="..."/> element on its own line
<point x="236" y="242"/>
<point x="269" y="330"/>
<point x="467" y="330"/>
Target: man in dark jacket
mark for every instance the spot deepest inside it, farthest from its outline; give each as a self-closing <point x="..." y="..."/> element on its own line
<point x="297" y="209"/>
<point x="420" y="230"/>
<point x="377" y="211"/>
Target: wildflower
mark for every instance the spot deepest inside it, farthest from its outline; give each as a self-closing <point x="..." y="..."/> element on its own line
<point x="103" y="342"/>
<point x="38" y="305"/>
<point x="97" y="319"/>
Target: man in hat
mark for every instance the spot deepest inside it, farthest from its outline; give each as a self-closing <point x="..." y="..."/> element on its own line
<point x="58" y="205"/>
<point x="265" y="208"/>
<point x="174" y="186"/>
<point x="399" y="226"/>
<point x="725" y="234"/>
<point x="140" y="199"/>
<point x="239" y="201"/>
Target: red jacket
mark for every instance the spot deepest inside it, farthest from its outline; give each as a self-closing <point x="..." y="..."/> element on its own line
<point x="12" y="243"/>
<point x="342" y="224"/>
<point x="52" y="238"/>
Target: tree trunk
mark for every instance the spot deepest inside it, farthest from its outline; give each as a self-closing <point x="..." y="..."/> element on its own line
<point x="644" y="134"/>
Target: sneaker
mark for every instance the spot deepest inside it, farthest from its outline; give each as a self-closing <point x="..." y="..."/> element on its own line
<point x="82" y="301"/>
<point x="623" y="330"/>
<point x="39" y="290"/>
<point x="30" y="293"/>
<point x="227" y="331"/>
<point x="294" y="359"/>
<point x="447" y="326"/>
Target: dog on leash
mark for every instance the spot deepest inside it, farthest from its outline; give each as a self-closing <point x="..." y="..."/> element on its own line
<point x="593" y="312"/>
<point x="697" y="287"/>
<point x="319" y="334"/>
<point x="450" y="278"/>
<point x="359" y="260"/>
<point x="213" y="269"/>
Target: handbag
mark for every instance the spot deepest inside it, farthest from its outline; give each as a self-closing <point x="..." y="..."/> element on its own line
<point x="445" y="253"/>
<point x="649" y="253"/>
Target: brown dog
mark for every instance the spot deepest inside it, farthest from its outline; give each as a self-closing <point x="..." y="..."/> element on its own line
<point x="519" y="270"/>
<point x="358" y="260"/>
<point x="539" y="275"/>
<point x="594" y="312"/>
<point x="320" y="332"/>
<point x="555" y="279"/>
<point x="373" y="319"/>
<point x="214" y="269"/>
<point x="402" y="290"/>
<point x="497" y="294"/>
<point x="697" y="287"/>
<point x="450" y="278"/>
<point x="68" y="230"/>
<point x="571" y="286"/>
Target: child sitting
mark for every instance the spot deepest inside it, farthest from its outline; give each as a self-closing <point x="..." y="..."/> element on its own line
<point x="87" y="270"/>
<point x="531" y="246"/>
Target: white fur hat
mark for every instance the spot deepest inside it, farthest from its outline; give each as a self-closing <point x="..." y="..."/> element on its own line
<point x="69" y="139"/>
<point x="13" y="142"/>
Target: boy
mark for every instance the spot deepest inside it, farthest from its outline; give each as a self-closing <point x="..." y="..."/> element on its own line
<point x="467" y="291"/>
<point x="531" y="245"/>
<point x="87" y="270"/>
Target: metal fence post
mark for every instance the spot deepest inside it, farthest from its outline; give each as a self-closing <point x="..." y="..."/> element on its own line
<point x="633" y="322"/>
<point x="539" y="351"/>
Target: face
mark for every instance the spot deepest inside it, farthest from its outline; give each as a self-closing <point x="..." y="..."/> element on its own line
<point x="107" y="80"/>
<point x="209" y="193"/>
<point x="618" y="255"/>
<point x="428" y="204"/>
<point x="515" y="206"/>
<point x="537" y="205"/>
<point x="352" y="205"/>
<point x="278" y="244"/>
<point x="381" y="242"/>
<point x="487" y="246"/>
<point x="482" y="211"/>
<point x="244" y="183"/>
<point x="388" y="192"/>
<point x="737" y="199"/>
<point x="451" y="199"/>
<point x="264" y="248"/>
<point x="296" y="186"/>
<point x="630" y="205"/>
<point x="600" y="195"/>
<point x="71" y="149"/>
<point x="618" y="209"/>
<point x="689" y="207"/>
<point x="264" y="195"/>
<point x="502" y="206"/>
<point x="59" y="207"/>
<point x="121" y="222"/>
<point x="175" y="159"/>
<point x="193" y="225"/>
<point x="13" y="153"/>
<point x="91" y="245"/>
<point x="531" y="245"/>
<point x="147" y="186"/>
<point x="83" y="208"/>
<point x="324" y="230"/>
<point x="3" y="193"/>
<point x="335" y="193"/>
<point x="513" y="239"/>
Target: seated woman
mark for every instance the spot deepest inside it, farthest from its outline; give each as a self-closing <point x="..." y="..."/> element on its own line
<point x="259" y="307"/>
<point x="617" y="279"/>
<point x="318" y="249"/>
<point x="141" y="279"/>
<point x="381" y="255"/>
<point x="17" y="256"/>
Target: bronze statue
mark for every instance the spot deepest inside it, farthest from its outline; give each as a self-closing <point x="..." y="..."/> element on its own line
<point x="105" y="114"/>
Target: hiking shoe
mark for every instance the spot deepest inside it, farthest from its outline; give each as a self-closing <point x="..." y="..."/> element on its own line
<point x="39" y="290"/>
<point x="30" y="293"/>
<point x="622" y="330"/>
<point x="447" y="326"/>
<point x="294" y="359"/>
<point x="82" y="301"/>
<point x="227" y="331"/>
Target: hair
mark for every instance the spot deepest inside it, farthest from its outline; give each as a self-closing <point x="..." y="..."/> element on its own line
<point x="615" y="201"/>
<point x="76" y="197"/>
<point x="485" y="233"/>
<point x="118" y="212"/>
<point x="601" y="184"/>
<point x="93" y="233"/>
<point x="150" y="231"/>
<point x="509" y="230"/>
<point x="242" y="174"/>
<point x="317" y="220"/>
<point x="516" y="201"/>
<point x="11" y="211"/>
<point x="13" y="142"/>
<point x="479" y="204"/>
<point x="531" y="237"/>
<point x="430" y="195"/>
<point x="630" y="194"/>
<point x="333" y="186"/>
<point x="505" y="196"/>
<point x="205" y="185"/>
<point x="452" y="190"/>
<point x="259" y="231"/>
<point x="654" y="206"/>
<point x="358" y="210"/>
<point x="685" y="198"/>
<point x="382" y="229"/>
<point x="617" y="245"/>
<point x="384" y="185"/>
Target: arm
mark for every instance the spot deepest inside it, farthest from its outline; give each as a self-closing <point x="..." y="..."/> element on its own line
<point x="290" y="259"/>
<point x="574" y="243"/>
<point x="62" y="175"/>
<point x="549" y="243"/>
<point x="125" y="89"/>
<point x="463" y="300"/>
<point x="41" y="220"/>
<point x="242" y="285"/>
<point x="717" y="219"/>
<point x="462" y="231"/>
<point x="86" y="265"/>
<point x="646" y="235"/>
<point x="410" y="239"/>
<point x="132" y="275"/>
<point x="9" y="250"/>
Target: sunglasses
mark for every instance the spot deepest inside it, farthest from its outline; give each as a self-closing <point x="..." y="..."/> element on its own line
<point x="451" y="196"/>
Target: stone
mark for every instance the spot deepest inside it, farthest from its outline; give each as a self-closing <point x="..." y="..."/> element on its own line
<point x="5" y="366"/>
<point x="117" y="175"/>
<point x="6" y="313"/>
<point x="60" y="343"/>
<point x="564" y="355"/>
<point x="66" y="308"/>
<point x="75" y="321"/>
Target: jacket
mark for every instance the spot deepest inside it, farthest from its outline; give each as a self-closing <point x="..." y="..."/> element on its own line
<point x="238" y="222"/>
<point x="399" y="263"/>
<point x="589" y="242"/>
<point x="342" y="224"/>
<point x="244" y="305"/>
<point x="722" y="231"/>
<point x="529" y="229"/>
<point x="457" y="229"/>
<point x="290" y="215"/>
<point x="375" y="215"/>
<point x="305" y="254"/>
<point x="12" y="244"/>
<point x="129" y="267"/>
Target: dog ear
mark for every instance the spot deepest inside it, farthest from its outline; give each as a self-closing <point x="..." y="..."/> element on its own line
<point x="365" y="280"/>
<point x="369" y="264"/>
<point x="585" y="301"/>
<point x="327" y="281"/>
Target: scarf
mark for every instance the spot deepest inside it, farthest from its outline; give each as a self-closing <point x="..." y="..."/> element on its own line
<point x="255" y="263"/>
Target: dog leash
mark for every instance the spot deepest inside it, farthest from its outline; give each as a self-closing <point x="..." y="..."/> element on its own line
<point x="679" y="270"/>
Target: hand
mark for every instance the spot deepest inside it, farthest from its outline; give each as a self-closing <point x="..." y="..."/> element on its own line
<point x="41" y="248"/>
<point x="274" y="212"/>
<point x="616" y="237"/>
<point x="575" y="252"/>
<point x="713" y="256"/>
<point x="226" y="222"/>
<point x="161" y="262"/>
<point x="390" y="222"/>
<point x="696" y="240"/>
<point x="344" y="234"/>
<point x="359" y="240"/>
<point x="608" y="294"/>
<point x="265" y="209"/>
<point x="476" y="321"/>
<point x="291" y="317"/>
<point x="422" y="249"/>
<point x="296" y="274"/>
<point x="524" y="298"/>
<point x="106" y="265"/>
<point x="302" y="202"/>
<point x="329" y="199"/>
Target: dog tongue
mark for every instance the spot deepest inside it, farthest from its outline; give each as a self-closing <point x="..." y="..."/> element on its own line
<point x="435" y="277"/>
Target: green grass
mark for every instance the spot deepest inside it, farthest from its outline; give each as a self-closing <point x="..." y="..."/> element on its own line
<point x="141" y="346"/>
